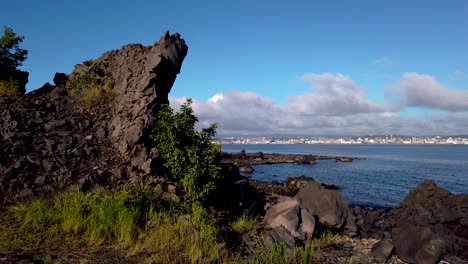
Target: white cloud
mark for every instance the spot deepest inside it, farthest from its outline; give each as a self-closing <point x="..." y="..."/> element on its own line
<point x="335" y="106"/>
<point x="333" y="95"/>
<point x="419" y="90"/>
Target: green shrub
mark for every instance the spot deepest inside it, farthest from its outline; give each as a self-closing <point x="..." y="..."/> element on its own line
<point x="9" y="88"/>
<point x="78" y="83"/>
<point x="189" y="155"/>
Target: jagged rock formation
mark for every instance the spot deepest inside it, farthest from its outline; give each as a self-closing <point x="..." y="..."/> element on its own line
<point x="50" y="140"/>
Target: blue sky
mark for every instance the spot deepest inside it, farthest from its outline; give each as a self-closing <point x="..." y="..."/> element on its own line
<point x="264" y="50"/>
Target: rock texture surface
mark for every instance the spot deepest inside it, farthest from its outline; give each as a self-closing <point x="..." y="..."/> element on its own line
<point x="50" y="140"/>
<point x="313" y="208"/>
<point x="430" y="223"/>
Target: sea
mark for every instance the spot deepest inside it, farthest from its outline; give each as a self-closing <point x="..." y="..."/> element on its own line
<point x="380" y="177"/>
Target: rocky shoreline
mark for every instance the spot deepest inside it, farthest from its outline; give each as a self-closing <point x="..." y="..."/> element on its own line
<point x="52" y="142"/>
<point x="430" y="225"/>
<point x="244" y="159"/>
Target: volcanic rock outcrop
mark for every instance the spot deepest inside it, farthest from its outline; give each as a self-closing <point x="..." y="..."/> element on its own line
<point x="50" y="139"/>
<point x="430" y="223"/>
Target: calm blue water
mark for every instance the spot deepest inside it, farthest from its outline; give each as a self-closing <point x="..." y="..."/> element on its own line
<point x="384" y="175"/>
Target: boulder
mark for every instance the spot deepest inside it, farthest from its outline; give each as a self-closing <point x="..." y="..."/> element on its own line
<point x="60" y="79"/>
<point x="429" y="224"/>
<point x="287" y="214"/>
<point x="45" y="89"/>
<point x="313" y="207"/>
<point x="329" y="206"/>
<point x="247" y="169"/>
<point x="382" y="250"/>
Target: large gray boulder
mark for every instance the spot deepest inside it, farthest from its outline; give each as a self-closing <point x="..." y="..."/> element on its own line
<point x="330" y="207"/>
<point x="312" y="207"/>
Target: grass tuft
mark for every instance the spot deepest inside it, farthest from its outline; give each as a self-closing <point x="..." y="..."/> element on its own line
<point x="99" y="95"/>
<point x="9" y="87"/>
<point x="245" y="223"/>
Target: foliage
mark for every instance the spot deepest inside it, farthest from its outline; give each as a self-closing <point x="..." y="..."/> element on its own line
<point x="98" y="95"/>
<point x="78" y="83"/>
<point x="88" y="62"/>
<point x="142" y="223"/>
<point x="278" y="253"/>
<point x="189" y="155"/>
<point x="245" y="223"/>
<point x="91" y="90"/>
<point x="9" y="87"/>
<point x="11" y="55"/>
<point x="191" y="238"/>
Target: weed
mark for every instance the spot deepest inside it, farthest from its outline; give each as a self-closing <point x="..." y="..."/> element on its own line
<point x="98" y="95"/>
<point x="78" y="83"/>
<point x="245" y="223"/>
<point x="9" y="87"/>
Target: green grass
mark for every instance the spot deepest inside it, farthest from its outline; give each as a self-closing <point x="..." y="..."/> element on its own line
<point x="79" y="83"/>
<point x="245" y="223"/>
<point x="139" y="225"/>
<point x="98" y="95"/>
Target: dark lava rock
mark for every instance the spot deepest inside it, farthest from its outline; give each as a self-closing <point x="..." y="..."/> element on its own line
<point x="428" y="225"/>
<point x="383" y="250"/>
<point x="49" y="139"/>
<point x="60" y="79"/>
<point x="242" y="158"/>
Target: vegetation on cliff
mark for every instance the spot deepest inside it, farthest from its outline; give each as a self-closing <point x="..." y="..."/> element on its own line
<point x="11" y="57"/>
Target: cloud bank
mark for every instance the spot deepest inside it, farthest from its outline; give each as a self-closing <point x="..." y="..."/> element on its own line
<point x="337" y="106"/>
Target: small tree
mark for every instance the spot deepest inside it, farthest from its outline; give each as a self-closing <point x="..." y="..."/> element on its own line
<point x="189" y="155"/>
<point x="11" y="55"/>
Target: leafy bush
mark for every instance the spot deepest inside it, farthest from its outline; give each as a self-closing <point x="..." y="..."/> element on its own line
<point x="189" y="155"/>
<point x="9" y="87"/>
<point x="11" y="55"/>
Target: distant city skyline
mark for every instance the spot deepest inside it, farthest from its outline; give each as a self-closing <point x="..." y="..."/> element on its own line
<point x="385" y="139"/>
<point x="276" y="67"/>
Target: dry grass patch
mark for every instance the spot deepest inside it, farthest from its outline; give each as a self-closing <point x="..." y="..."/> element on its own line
<point x="9" y="87"/>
